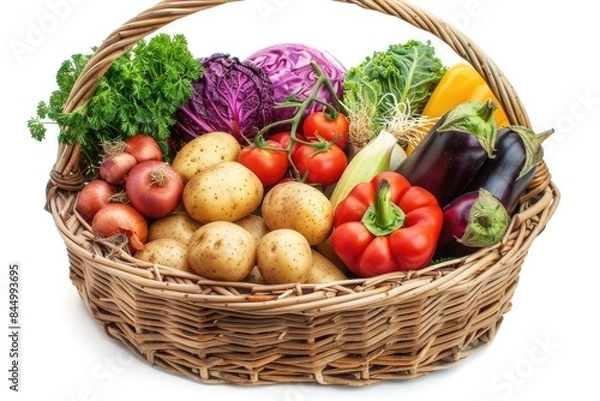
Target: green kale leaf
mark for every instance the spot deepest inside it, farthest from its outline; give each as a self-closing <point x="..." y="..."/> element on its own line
<point x="404" y="75"/>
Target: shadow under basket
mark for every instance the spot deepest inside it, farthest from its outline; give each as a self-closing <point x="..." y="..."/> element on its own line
<point x="356" y="332"/>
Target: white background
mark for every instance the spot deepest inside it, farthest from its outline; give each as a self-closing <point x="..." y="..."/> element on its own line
<point x="547" y="346"/>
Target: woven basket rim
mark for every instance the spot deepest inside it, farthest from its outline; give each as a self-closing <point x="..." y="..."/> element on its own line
<point x="248" y="297"/>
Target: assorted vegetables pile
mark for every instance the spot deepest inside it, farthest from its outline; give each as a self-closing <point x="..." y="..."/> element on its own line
<point x="288" y="167"/>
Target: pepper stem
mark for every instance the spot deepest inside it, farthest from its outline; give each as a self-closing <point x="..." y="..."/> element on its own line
<point x="384" y="217"/>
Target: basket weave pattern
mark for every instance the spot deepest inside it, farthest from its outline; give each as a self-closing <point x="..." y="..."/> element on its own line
<point x="356" y="332"/>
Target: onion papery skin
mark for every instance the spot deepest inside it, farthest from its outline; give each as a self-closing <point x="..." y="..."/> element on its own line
<point x="93" y="197"/>
<point x="119" y="218"/>
<point x="143" y="148"/>
<point x="114" y="170"/>
<point x="154" y="188"/>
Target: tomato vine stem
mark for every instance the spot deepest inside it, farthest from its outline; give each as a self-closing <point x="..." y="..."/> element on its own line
<point x="301" y="107"/>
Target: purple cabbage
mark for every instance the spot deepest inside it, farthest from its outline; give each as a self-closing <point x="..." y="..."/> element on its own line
<point x="232" y="96"/>
<point x="289" y="67"/>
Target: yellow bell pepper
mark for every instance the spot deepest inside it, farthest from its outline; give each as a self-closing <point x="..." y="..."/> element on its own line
<point x="462" y="83"/>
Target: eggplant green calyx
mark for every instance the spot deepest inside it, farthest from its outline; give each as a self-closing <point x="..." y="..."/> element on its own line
<point x="488" y="221"/>
<point x="384" y="217"/>
<point x="532" y="143"/>
<point x="474" y="118"/>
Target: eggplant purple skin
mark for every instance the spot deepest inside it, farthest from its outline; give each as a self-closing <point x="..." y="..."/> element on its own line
<point x="444" y="163"/>
<point x="519" y="188"/>
<point x="500" y="175"/>
<point x="456" y="218"/>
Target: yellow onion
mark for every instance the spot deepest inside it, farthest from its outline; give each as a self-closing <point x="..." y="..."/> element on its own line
<point x="93" y="197"/>
<point x="121" y="219"/>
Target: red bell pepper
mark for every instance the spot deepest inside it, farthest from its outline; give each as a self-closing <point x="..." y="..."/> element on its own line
<point x="386" y="225"/>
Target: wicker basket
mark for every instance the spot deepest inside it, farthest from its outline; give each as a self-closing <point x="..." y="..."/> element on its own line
<point x="356" y="332"/>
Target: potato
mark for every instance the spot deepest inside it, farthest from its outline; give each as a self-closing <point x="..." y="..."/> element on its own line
<point x="323" y="270"/>
<point x="180" y="209"/>
<point x="283" y="256"/>
<point x="325" y="248"/>
<point x="255" y="224"/>
<point x="165" y="251"/>
<point x="255" y="277"/>
<point x="300" y="207"/>
<point x="203" y="152"/>
<point x="179" y="227"/>
<point x="223" y="251"/>
<point x="227" y="191"/>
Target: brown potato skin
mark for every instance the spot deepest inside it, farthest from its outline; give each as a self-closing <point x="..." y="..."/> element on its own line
<point x="179" y="227"/>
<point x="255" y="277"/>
<point x="323" y="270"/>
<point x="203" y="152"/>
<point x="300" y="207"/>
<point x="227" y="191"/>
<point x="284" y="256"/>
<point x="222" y="251"/>
<point x="255" y="224"/>
<point x="166" y="252"/>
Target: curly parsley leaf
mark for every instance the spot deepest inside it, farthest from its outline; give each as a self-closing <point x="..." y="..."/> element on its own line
<point x="139" y="93"/>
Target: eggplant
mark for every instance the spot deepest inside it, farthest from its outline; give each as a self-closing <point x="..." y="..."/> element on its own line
<point x="472" y="221"/>
<point x="509" y="173"/>
<point x="453" y="151"/>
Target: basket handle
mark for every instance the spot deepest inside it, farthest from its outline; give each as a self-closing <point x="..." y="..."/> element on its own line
<point x="66" y="173"/>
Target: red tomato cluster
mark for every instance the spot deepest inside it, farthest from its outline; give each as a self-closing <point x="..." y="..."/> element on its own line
<point x="315" y="156"/>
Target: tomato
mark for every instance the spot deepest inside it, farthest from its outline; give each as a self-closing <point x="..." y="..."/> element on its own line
<point x="284" y="139"/>
<point x="320" y="166"/>
<point x="269" y="164"/>
<point x="320" y="124"/>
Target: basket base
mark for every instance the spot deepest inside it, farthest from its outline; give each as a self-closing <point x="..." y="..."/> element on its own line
<point x="171" y="363"/>
<point x="215" y="351"/>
